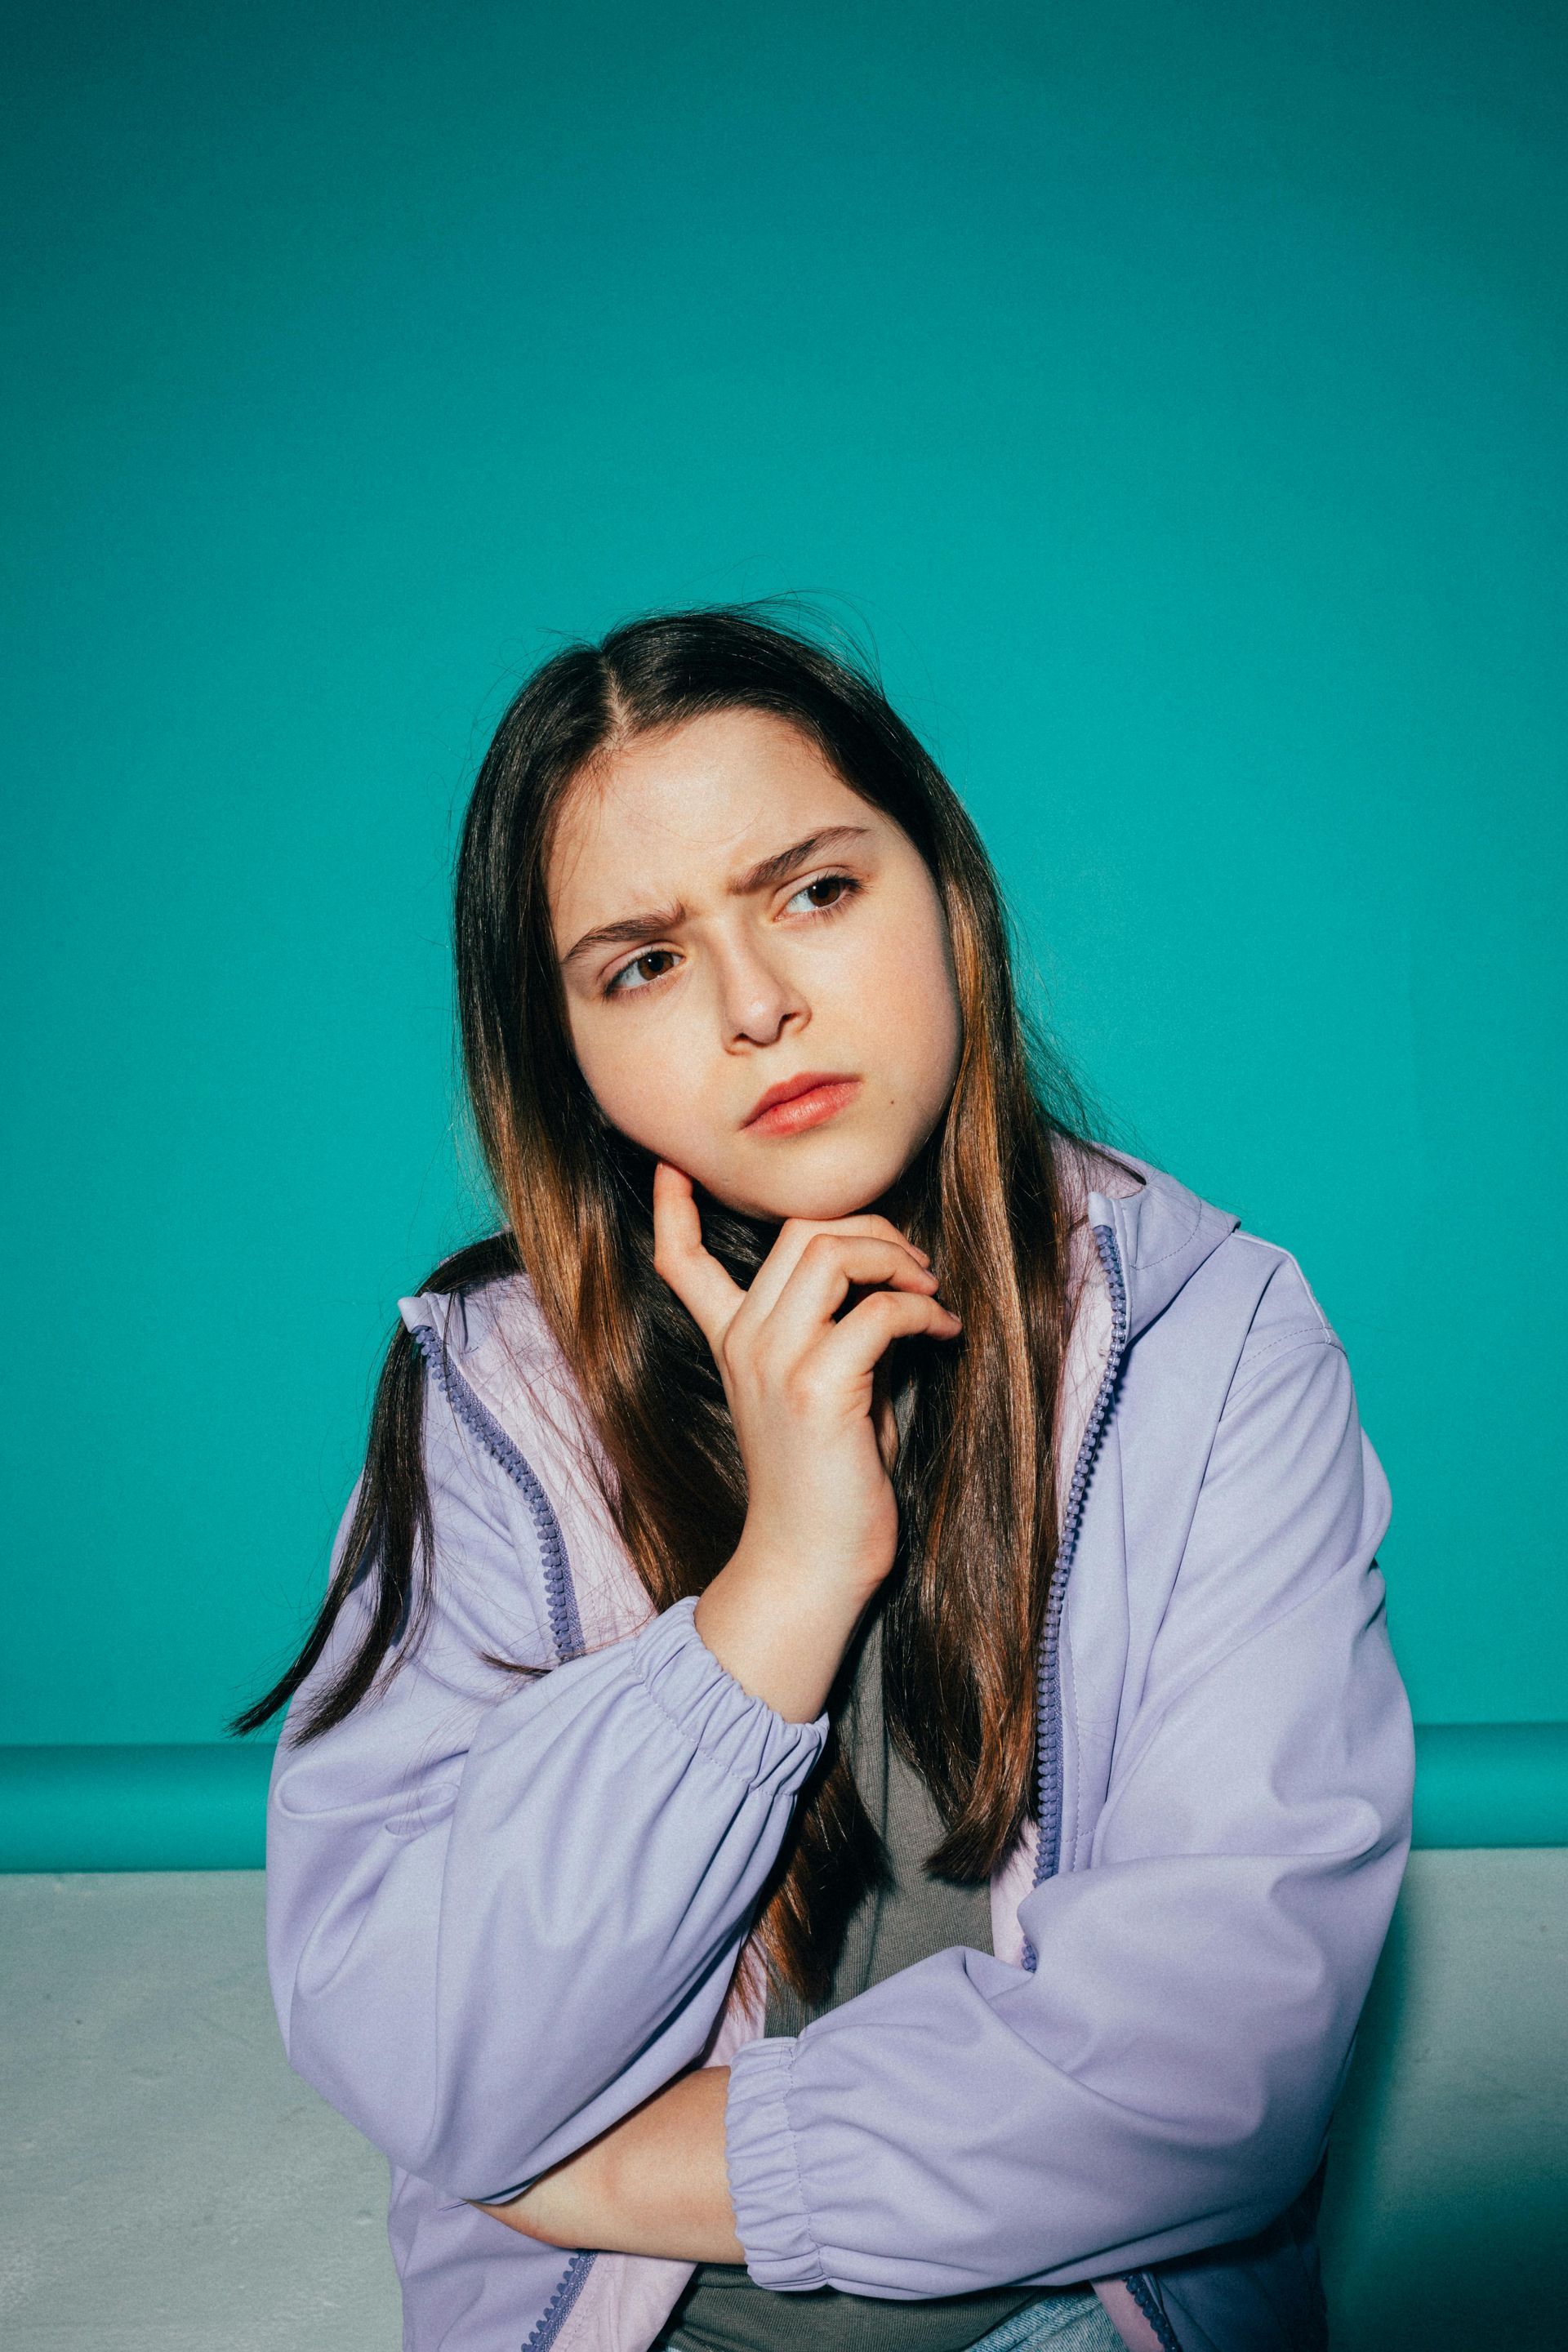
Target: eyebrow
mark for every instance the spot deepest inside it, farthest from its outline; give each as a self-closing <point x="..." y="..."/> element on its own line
<point x="626" y="930"/>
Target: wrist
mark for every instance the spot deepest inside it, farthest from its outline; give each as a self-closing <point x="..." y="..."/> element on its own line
<point x="812" y="1579"/>
<point x="781" y="1631"/>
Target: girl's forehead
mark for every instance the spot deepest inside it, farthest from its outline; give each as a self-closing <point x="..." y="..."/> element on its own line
<point x="689" y="807"/>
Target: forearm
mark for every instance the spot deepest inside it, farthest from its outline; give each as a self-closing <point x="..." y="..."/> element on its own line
<point x="781" y="1635"/>
<point x="655" y="2185"/>
<point x="805" y="1379"/>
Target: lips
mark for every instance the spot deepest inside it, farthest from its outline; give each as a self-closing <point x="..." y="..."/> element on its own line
<point x="801" y="1102"/>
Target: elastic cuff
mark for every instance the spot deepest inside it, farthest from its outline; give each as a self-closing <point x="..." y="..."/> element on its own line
<point x="704" y="1701"/>
<point x="765" y="2177"/>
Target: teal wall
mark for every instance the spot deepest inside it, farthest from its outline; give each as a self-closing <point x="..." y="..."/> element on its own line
<point x="1176" y="392"/>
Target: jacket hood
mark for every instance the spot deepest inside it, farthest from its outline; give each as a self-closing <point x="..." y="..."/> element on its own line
<point x="1163" y="1233"/>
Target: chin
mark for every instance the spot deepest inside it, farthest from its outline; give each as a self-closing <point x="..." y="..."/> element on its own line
<point x="820" y="1193"/>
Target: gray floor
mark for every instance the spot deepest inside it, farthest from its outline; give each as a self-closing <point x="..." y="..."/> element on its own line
<point x="166" y="2185"/>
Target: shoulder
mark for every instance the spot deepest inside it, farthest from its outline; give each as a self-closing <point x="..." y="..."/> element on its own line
<point x="1287" y="1315"/>
<point x="513" y="1410"/>
<point x="499" y="1541"/>
<point x="1254" y="1304"/>
<point x="469" y="1315"/>
<point x="491" y="1365"/>
<point x="1193" y="1270"/>
<point x="487" y="1343"/>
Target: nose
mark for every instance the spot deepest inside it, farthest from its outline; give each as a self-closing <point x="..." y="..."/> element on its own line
<point x="757" y="999"/>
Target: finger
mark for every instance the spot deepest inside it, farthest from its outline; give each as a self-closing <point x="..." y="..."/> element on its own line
<point x="796" y="1235"/>
<point x="695" y="1276"/>
<point x="851" y="1348"/>
<point x="824" y="1275"/>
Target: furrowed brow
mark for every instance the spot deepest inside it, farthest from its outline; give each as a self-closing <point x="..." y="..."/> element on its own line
<point x="783" y="862"/>
<point x="625" y="932"/>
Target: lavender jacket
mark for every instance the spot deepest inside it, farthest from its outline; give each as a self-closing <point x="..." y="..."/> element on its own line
<point x="500" y="1915"/>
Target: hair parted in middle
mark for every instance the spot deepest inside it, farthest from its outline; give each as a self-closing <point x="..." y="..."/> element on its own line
<point x="965" y="1608"/>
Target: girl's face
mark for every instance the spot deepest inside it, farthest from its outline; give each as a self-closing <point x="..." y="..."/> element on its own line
<point x="756" y="965"/>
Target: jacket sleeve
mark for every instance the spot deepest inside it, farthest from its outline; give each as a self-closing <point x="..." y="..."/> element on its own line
<point x="1164" y="2080"/>
<point x="500" y="1913"/>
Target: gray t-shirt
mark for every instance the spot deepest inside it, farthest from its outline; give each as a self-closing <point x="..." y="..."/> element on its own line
<point x="910" y="1915"/>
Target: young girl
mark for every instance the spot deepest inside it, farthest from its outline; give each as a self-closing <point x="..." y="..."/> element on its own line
<point x="850" y="1779"/>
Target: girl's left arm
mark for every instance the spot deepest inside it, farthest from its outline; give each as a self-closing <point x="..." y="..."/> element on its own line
<point x="1163" y="2078"/>
<point x="654" y="2184"/>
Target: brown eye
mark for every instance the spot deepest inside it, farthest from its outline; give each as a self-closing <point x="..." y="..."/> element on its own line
<point x="828" y="891"/>
<point x="638" y="974"/>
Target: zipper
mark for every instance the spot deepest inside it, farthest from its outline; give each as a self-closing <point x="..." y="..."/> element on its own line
<point x="1139" y="2283"/>
<point x="1049" y="1735"/>
<point x="1140" y="2286"/>
<point x="552" y="2318"/>
<point x="565" y="1633"/>
<point x="561" y="1599"/>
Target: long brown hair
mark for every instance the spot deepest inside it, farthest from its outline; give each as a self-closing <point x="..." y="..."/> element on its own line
<point x="963" y="1609"/>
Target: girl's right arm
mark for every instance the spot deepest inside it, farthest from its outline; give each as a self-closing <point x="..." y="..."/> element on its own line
<point x="500" y="1917"/>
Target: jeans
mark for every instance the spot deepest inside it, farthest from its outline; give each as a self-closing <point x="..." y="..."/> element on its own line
<point x="1069" y="2322"/>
